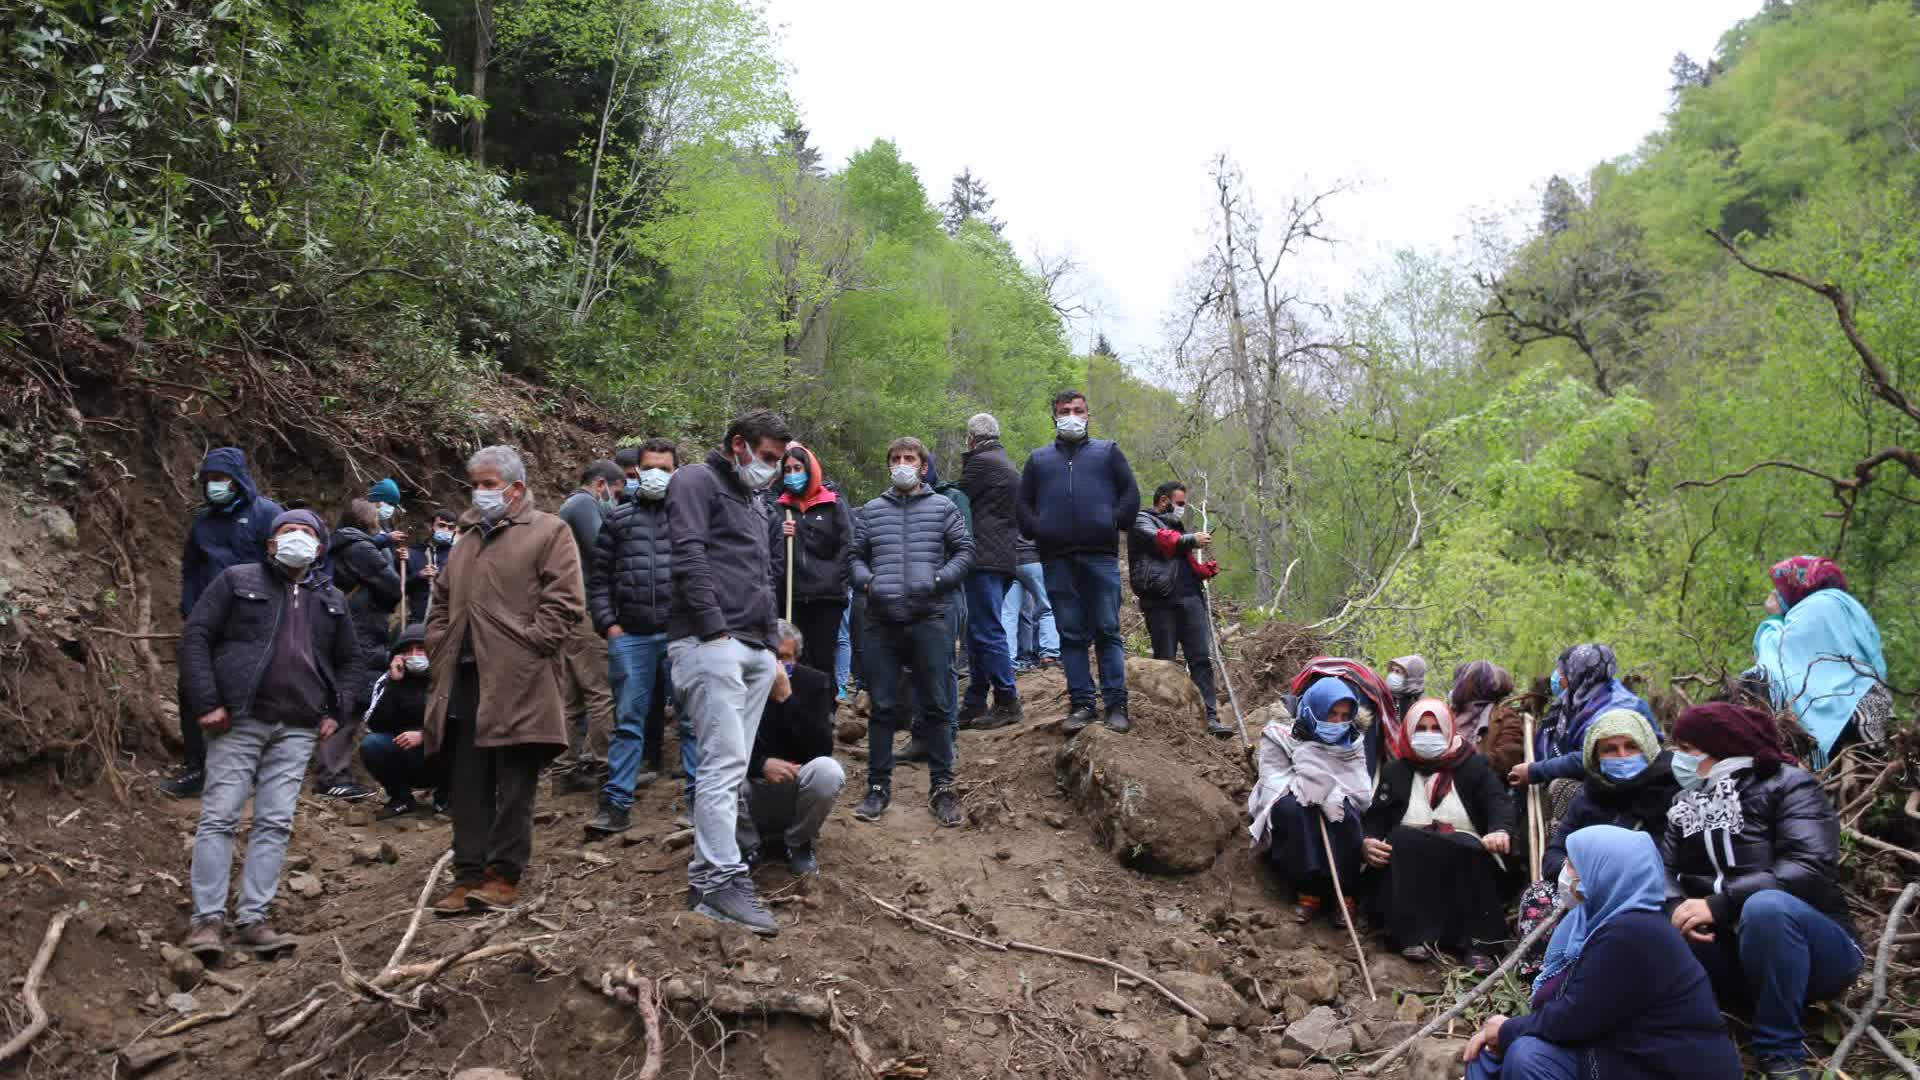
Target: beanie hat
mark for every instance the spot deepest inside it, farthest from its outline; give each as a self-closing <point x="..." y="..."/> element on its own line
<point x="386" y="491"/>
<point x="414" y="634"/>
<point x="303" y="517"/>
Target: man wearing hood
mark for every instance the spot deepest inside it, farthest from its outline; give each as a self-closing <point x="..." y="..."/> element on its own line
<point x="264" y="658"/>
<point x="366" y="576"/>
<point x="229" y="529"/>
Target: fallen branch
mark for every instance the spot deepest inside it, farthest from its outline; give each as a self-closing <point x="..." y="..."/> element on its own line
<point x="934" y="926"/>
<point x="199" y="1019"/>
<point x="1880" y="845"/>
<point x="30" y="990"/>
<point x="303" y="1013"/>
<point x="909" y="1068"/>
<point x="1546" y="926"/>
<point x="419" y="909"/>
<point x="1887" y="1049"/>
<point x="1879" y="999"/>
<point x="320" y="1055"/>
<point x="731" y="999"/>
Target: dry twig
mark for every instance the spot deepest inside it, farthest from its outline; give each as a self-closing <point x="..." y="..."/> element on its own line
<point x="198" y="1019"/>
<point x="1881" y="960"/>
<point x="419" y="909"/>
<point x="30" y="990"/>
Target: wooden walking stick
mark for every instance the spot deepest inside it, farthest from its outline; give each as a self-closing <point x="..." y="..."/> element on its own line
<point x="1213" y="635"/>
<point x="1340" y="896"/>
<point x="1536" y="820"/>
<point x="790" y="567"/>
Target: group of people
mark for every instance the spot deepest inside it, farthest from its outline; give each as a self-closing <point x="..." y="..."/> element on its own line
<point x="1701" y="870"/>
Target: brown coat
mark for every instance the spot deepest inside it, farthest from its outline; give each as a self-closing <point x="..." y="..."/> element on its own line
<point x="516" y="590"/>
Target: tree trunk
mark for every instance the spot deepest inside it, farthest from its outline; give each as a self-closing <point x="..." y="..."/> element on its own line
<point x="482" y="60"/>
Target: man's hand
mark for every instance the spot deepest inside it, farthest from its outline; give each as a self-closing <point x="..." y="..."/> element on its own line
<point x="216" y="722"/>
<point x="786" y="527"/>
<point x="1378" y="852"/>
<point x="407" y="740"/>
<point x="430" y="570"/>
<point x="782" y="689"/>
<point x="396" y="669"/>
<point x="1517" y="776"/>
<point x="328" y="725"/>
<point x="1497" y="842"/>
<point x="1203" y="539"/>
<point x="1694" y="919"/>
<point x="399" y="537"/>
<point x="780" y="771"/>
<point x="615" y="631"/>
<point x="1487" y="1038"/>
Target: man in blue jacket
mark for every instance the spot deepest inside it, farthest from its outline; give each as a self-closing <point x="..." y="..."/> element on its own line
<point x="229" y="529"/>
<point x="1076" y="497"/>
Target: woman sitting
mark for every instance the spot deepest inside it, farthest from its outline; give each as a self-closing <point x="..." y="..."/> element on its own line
<point x="1583" y="686"/>
<point x="1629" y="783"/>
<point x="1820" y="651"/>
<point x="1478" y="689"/>
<point x="1313" y="774"/>
<point x="1621" y="995"/>
<point x="1438" y="820"/>
<point x="1407" y="680"/>
<point x="1752" y="848"/>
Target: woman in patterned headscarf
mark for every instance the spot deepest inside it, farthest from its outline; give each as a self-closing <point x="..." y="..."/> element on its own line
<point x="1820" y="652"/>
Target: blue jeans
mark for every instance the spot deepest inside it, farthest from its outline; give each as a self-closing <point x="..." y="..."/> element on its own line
<point x="399" y="771"/>
<point x="267" y="763"/>
<point x="1085" y="591"/>
<point x="989" y="650"/>
<point x="843" y="649"/>
<point x="1030" y="579"/>
<point x="1529" y="1058"/>
<point x="1783" y="954"/>
<point x="636" y="670"/>
<point x="926" y="647"/>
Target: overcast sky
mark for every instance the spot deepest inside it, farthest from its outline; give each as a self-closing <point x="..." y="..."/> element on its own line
<point x="1093" y="122"/>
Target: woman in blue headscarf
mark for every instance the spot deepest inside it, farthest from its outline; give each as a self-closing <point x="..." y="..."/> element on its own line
<point x="1820" y="651"/>
<point x="1621" y="996"/>
<point x="1313" y="768"/>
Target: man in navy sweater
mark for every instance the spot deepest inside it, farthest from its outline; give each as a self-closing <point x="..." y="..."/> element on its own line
<point x="1076" y="497"/>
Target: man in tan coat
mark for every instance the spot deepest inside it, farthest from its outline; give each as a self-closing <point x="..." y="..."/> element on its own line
<point x="502" y="612"/>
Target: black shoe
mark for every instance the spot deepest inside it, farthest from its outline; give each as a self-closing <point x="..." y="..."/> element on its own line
<point x="1215" y="727"/>
<point x="185" y="783"/>
<point x="1117" y="719"/>
<point x="1048" y="663"/>
<point x="945" y="807"/>
<point x="441" y="801"/>
<point x="971" y="712"/>
<point x="1078" y="719"/>
<point x="348" y="791"/>
<point x="400" y="807"/>
<point x="876" y="802"/>
<point x="607" y="820"/>
<point x="915" y="753"/>
<point x="1005" y="711"/>
<point x="802" y="861"/>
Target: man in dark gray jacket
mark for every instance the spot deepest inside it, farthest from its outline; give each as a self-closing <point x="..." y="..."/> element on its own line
<point x="589" y="700"/>
<point x="911" y="549"/>
<point x="992" y="485"/>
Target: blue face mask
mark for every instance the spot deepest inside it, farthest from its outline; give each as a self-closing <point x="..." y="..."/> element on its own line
<point x="1332" y="733"/>
<point x="1624" y="768"/>
<point x="789" y="667"/>
<point x="796" y="482"/>
<point x="1554" y="683"/>
<point x="633" y="486"/>
<point x="1686" y="769"/>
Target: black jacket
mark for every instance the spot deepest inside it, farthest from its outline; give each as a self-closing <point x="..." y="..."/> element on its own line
<point x="1480" y="791"/>
<point x="420" y="587"/>
<point x="909" y="551"/>
<point x="798" y="729"/>
<point x="1639" y="804"/>
<point x="720" y="556"/>
<point x="992" y="485"/>
<point x="630" y="576"/>
<point x="228" y="640"/>
<point x="399" y="706"/>
<point x="822" y="537"/>
<point x="1746" y="832"/>
<point x="1157" y="580"/>
<point x="365" y="574"/>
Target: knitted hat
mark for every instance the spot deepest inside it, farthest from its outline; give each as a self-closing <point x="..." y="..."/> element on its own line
<point x="386" y="491"/>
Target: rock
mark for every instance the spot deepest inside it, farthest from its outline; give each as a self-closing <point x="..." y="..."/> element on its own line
<point x="954" y="975"/>
<point x="59" y="526"/>
<point x="1226" y="1036"/>
<point x="1288" y="1058"/>
<point x="631" y="839"/>
<point x="546" y="817"/>
<point x="1110" y="1002"/>
<point x="1185" y="1047"/>
<point x="1153" y="813"/>
<point x="1164" y="686"/>
<point x="680" y="839"/>
<point x="1435" y="1059"/>
<point x="582" y="905"/>
<point x="1380" y="1034"/>
<point x="1310" y="974"/>
<point x="850" y="731"/>
<point x="1410" y="1008"/>
<point x="142" y="1058"/>
<point x="1056" y="819"/>
<point x="182" y="1003"/>
<point x="754" y="973"/>
<point x="1319" y="1034"/>
<point x="302" y="861"/>
<point x="1211" y="995"/>
<point x="1293" y="1007"/>
<point x="305" y="885"/>
<point x="369" y="854"/>
<point x="485" y="1074"/>
<point x="183" y="968"/>
<point x="1128" y="1031"/>
<point x="1168" y="916"/>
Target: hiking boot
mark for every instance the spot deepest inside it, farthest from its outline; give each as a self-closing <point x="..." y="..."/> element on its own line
<point x="1078" y="719"/>
<point x="575" y="780"/>
<point x="399" y="807"/>
<point x="454" y="903"/>
<point x="1216" y="728"/>
<point x="186" y="782"/>
<point x="944" y="804"/>
<point x="877" y="800"/>
<point x="1784" y="1069"/>
<point x="1048" y="663"/>
<point x="1117" y="721"/>
<point x="494" y="894"/>
<point x="801" y="860"/>
<point x="205" y="939"/>
<point x="261" y="939"/>
<point x="348" y="791"/>
<point x="914" y="754"/>
<point x="971" y="713"/>
<point x="607" y="820"/>
<point x="1005" y="711"/>
<point x="736" y="902"/>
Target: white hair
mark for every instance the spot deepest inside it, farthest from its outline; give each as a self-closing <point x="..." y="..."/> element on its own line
<point x="504" y="458"/>
<point x="784" y="630"/>
<point x="983" y="426"/>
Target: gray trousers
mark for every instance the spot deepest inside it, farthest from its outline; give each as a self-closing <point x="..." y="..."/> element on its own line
<point x="722" y="687"/>
<point x="268" y="763"/>
<point x="797" y="809"/>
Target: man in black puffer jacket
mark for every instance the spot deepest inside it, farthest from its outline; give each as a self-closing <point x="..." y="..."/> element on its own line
<point x="911" y="549"/>
<point x="1752" y="852"/>
<point x="367" y="576"/>
<point x="1165" y="568"/>
<point x="393" y="749"/>
<point x="992" y="485"/>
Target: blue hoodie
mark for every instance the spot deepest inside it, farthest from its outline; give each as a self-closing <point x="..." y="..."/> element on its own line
<point x="223" y="536"/>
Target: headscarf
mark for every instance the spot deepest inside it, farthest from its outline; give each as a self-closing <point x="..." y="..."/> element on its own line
<point x="1620" y="871"/>
<point x="1415" y="683"/>
<point x="1318" y="702"/>
<point x="1726" y="730"/>
<point x="1478" y="687"/>
<point x="1822" y="657"/>
<point x="1619" y="722"/>
<point x="1588" y="688"/>
<point x="1645" y="797"/>
<point x="816" y="492"/>
<point x="1455" y="755"/>
<point x="1803" y="575"/>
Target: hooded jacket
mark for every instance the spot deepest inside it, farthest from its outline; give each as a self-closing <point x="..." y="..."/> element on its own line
<point x="720" y="556"/>
<point x="365" y="575"/>
<point x="909" y="551"/>
<point x="223" y="536"/>
<point x="400" y="704"/>
<point x="1077" y="498"/>
<point x="822" y="536"/>
<point x="992" y="485"/>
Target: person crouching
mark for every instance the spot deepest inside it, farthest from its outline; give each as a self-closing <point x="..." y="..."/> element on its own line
<point x="792" y="778"/>
<point x="394" y="750"/>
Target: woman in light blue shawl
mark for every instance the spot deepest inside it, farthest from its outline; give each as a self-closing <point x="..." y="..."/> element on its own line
<point x="1821" y="654"/>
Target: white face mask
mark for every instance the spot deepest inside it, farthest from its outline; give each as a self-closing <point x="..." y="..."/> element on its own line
<point x="1396" y="682"/>
<point x="904" y="477"/>
<point x="295" y="550"/>
<point x="1176" y="512"/>
<point x="1071" y="428"/>
<point x="489" y="503"/>
<point x="386" y="511"/>
<point x="219" y="491"/>
<point x="756" y="474"/>
<point x="1429" y="744"/>
<point x="1566" y="890"/>
<point x="415" y="663"/>
<point x="653" y="484"/>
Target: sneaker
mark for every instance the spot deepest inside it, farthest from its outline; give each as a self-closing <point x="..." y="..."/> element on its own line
<point x="1305" y="907"/>
<point x="1005" y="711"/>
<point x="1078" y="719"/>
<point x="261" y="939"/>
<point x="1479" y="963"/>
<point x="1048" y="663"/>
<point x="875" y="803"/>
<point x="1218" y="729"/>
<point x="206" y="940"/>
<point x="1416" y="954"/>
<point x="945" y="807"/>
<point x="736" y="902"/>
<point x="915" y="753"/>
<point x="441" y="801"/>
<point x="607" y="820"/>
<point x="1784" y="1069"/>
<point x="1117" y="719"/>
<point x="186" y="782"/>
<point x="843" y="696"/>
<point x="493" y="894"/>
<point x="971" y="713"/>
<point x="400" y="807"/>
<point x="454" y="903"/>
<point x="801" y="860"/>
<point x="348" y="791"/>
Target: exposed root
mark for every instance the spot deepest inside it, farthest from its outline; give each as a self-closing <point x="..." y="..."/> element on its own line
<point x="30" y="990"/>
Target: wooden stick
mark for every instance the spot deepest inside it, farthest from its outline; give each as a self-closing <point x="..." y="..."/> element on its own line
<point x="790" y="566"/>
<point x="396" y="976"/>
<point x="934" y="926"/>
<point x="419" y="909"/>
<point x="1340" y="895"/>
<point x="286" y="1026"/>
<point x="1473" y="995"/>
<point x="1880" y="962"/>
<point x="1880" y="845"/>
<point x="1213" y="634"/>
<point x="1887" y="1049"/>
<point x="30" y="990"/>
<point x="198" y="1019"/>
<point x="1536" y="844"/>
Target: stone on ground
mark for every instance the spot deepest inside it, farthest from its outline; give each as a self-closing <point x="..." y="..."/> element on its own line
<point x="1321" y="1033"/>
<point x="1211" y="995"/>
<point x="1435" y="1059"/>
<point x="1151" y="812"/>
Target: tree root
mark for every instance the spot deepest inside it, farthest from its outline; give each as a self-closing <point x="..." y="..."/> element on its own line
<point x="30" y="991"/>
<point x="632" y="988"/>
<point x="1881" y="960"/>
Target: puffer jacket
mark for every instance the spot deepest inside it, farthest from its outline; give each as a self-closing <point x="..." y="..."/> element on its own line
<point x="227" y="643"/>
<point x="992" y="485"/>
<point x="909" y="551"/>
<point x="1077" y="498"/>
<point x="1160" y="579"/>
<point x="366" y="576"/>
<point x="1744" y="833"/>
<point x="630" y="580"/>
<point x="223" y="536"/>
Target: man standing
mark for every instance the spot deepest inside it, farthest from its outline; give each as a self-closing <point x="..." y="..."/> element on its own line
<point x="589" y="698"/>
<point x="1165" y="568"/>
<point x="229" y="529"/>
<point x="630" y="595"/>
<point x="502" y="615"/>
<point x="1029" y="587"/>
<point x="793" y="780"/>
<point x="264" y="661"/>
<point x="910" y="551"/>
<point x="1076" y="497"/>
<point x="992" y="486"/>
<point x="426" y="560"/>
<point x="721" y="640"/>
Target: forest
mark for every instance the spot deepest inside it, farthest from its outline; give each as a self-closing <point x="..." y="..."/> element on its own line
<point x="1600" y="423"/>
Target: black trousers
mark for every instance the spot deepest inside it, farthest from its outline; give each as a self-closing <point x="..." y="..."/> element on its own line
<point x="819" y="624"/>
<point x="1183" y="623"/>
<point x="492" y="798"/>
